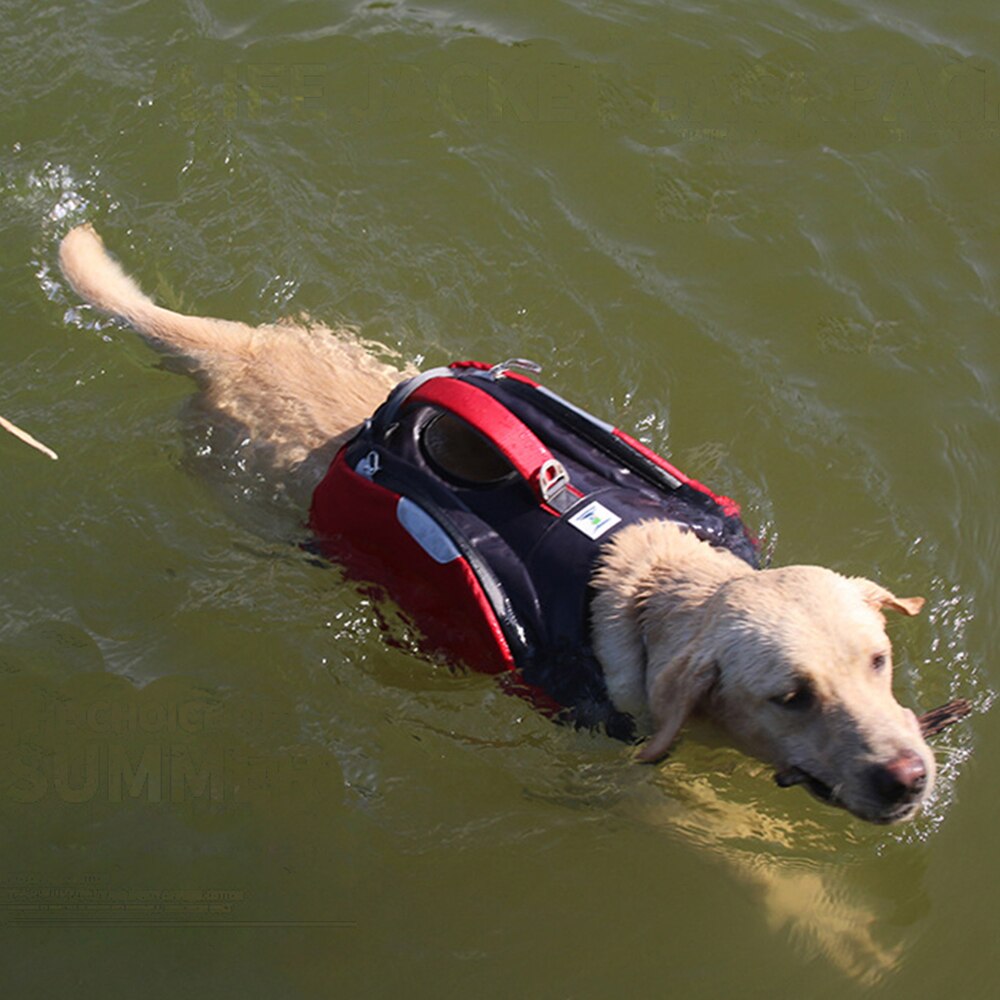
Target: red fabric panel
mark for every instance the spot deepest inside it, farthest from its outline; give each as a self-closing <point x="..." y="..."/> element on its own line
<point x="356" y="526"/>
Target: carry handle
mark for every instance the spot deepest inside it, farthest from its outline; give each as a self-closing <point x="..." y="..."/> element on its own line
<point x="530" y="458"/>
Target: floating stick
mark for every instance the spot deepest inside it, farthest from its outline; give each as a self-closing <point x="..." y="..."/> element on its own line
<point x="27" y="438"/>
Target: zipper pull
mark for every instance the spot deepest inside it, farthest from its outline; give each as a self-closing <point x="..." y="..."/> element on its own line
<point x="369" y="465"/>
<point x="498" y="371"/>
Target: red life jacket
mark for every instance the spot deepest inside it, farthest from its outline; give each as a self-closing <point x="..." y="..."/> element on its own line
<point x="495" y="568"/>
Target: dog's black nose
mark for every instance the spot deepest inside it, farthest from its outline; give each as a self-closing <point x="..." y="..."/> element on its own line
<point x="902" y="778"/>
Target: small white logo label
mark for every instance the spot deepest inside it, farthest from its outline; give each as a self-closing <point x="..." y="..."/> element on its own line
<point x="594" y="519"/>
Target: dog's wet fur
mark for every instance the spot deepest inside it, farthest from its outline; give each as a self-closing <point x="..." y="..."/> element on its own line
<point x="793" y="663"/>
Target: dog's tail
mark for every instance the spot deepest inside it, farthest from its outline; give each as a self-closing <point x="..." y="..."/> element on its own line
<point x="99" y="279"/>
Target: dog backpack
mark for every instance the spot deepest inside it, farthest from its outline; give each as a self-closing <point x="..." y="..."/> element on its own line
<point x="479" y="500"/>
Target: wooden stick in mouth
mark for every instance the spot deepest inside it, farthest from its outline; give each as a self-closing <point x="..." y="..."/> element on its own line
<point x="932" y="722"/>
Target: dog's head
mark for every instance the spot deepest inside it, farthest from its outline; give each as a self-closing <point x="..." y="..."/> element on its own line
<point x="796" y="665"/>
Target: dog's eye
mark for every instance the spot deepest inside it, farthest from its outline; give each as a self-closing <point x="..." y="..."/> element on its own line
<point x="798" y="699"/>
<point x="878" y="661"/>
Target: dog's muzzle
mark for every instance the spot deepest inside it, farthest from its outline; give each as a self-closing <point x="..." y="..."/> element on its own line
<point x="899" y="784"/>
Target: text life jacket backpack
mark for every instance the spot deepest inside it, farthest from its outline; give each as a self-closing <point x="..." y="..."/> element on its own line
<point x="492" y="558"/>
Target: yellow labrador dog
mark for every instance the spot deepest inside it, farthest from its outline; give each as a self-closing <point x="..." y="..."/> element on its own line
<point x="793" y="663"/>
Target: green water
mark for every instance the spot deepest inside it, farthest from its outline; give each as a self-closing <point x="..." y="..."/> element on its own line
<point x="762" y="237"/>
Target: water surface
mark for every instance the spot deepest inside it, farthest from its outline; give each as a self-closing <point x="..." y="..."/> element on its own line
<point x="762" y="237"/>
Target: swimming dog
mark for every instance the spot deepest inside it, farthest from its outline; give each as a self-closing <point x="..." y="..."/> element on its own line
<point x="793" y="663"/>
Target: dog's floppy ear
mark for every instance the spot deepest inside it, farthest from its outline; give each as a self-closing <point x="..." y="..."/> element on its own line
<point x="678" y="688"/>
<point x="880" y="598"/>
